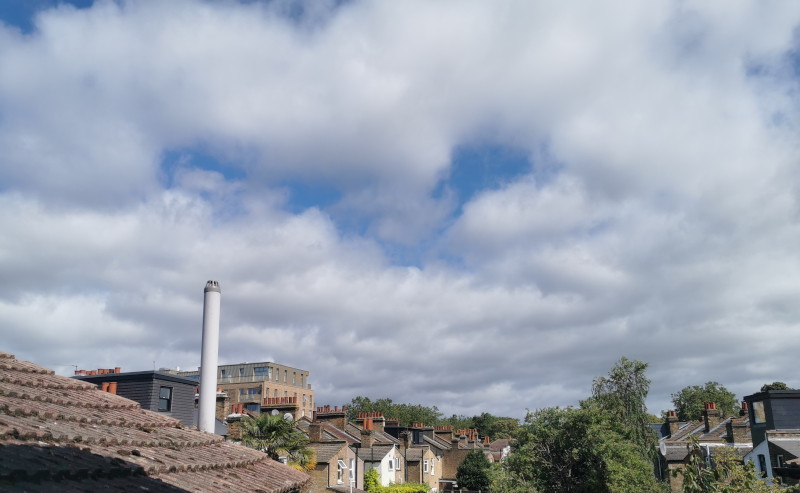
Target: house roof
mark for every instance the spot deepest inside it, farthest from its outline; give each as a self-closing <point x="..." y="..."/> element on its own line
<point x="375" y="453"/>
<point x="327" y="450"/>
<point x="61" y="434"/>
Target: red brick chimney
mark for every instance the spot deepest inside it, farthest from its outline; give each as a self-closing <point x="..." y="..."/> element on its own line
<point x="672" y="422"/>
<point x="367" y="434"/>
<point x="333" y="415"/>
<point x="112" y="387"/>
<point x="711" y="417"/>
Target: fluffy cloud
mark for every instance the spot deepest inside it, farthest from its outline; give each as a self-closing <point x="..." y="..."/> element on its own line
<point x="658" y="220"/>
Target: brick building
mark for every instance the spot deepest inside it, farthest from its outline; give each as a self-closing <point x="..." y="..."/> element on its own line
<point x="264" y="387"/>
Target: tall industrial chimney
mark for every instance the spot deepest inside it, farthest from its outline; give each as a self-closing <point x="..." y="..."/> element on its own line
<point x="208" y="359"/>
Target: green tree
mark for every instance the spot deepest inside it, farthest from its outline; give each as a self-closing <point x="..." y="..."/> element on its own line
<point x="622" y="394"/>
<point x="473" y="472"/>
<point x="775" y="386"/>
<point x="727" y="474"/>
<point x="278" y="437"/>
<point x="579" y="450"/>
<point x="690" y="401"/>
<point x="495" y="426"/>
<point x="405" y="413"/>
<point x="502" y="480"/>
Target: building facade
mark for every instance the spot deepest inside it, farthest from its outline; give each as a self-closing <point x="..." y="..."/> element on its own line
<point x="264" y="387"/>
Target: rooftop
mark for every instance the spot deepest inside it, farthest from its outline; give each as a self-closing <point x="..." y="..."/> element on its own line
<point x="62" y="434"/>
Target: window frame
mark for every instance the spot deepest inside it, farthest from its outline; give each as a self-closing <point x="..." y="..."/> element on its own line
<point x="168" y="400"/>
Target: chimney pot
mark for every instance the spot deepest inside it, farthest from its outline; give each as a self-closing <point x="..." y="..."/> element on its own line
<point x="104" y="387"/>
<point x="112" y="387"/>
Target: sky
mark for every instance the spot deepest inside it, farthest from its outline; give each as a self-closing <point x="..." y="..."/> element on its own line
<point x="475" y="205"/>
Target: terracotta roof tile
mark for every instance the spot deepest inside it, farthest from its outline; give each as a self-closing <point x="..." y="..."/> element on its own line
<point x="56" y="429"/>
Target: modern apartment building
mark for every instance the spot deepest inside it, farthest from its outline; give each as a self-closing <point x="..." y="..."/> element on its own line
<point x="265" y="387"/>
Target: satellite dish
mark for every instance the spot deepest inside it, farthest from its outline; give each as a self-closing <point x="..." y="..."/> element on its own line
<point x="663" y="448"/>
<point x="288" y="417"/>
<point x="274" y="412"/>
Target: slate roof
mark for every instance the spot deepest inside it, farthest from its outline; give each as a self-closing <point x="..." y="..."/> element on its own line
<point x="61" y="434"/>
<point x="374" y="454"/>
<point x="327" y="450"/>
<point x="677" y="444"/>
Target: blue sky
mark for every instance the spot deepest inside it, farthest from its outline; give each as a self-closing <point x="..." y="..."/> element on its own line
<point x="514" y="195"/>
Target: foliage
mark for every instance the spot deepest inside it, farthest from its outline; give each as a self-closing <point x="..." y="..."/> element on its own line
<point x="622" y="394"/>
<point x="604" y="446"/>
<point x="278" y="437"/>
<point x="406" y="413"/>
<point x="579" y="450"/>
<point x="373" y="485"/>
<point x="372" y="480"/>
<point x="495" y="426"/>
<point x="775" y="386"/>
<point x="502" y="480"/>
<point x="473" y="472"/>
<point x="690" y="401"/>
<point x="727" y="475"/>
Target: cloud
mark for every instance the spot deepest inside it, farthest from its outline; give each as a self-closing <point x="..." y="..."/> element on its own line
<point x="150" y="147"/>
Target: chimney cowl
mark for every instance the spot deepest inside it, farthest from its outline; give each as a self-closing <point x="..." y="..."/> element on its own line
<point x="212" y="286"/>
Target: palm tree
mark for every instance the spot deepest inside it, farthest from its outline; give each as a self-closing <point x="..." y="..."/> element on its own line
<point x="278" y="437"/>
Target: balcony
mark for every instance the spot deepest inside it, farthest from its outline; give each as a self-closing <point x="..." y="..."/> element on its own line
<point x="279" y="402"/>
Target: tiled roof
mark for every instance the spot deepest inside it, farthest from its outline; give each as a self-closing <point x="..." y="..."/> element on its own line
<point x="61" y="434"/>
<point x="375" y="453"/>
<point x="326" y="450"/>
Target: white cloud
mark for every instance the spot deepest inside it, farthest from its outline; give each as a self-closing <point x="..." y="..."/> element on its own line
<point x="659" y="221"/>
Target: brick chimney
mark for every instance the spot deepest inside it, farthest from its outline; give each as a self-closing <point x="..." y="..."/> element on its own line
<point x="112" y="387"/>
<point x="444" y="432"/>
<point x="333" y="415"/>
<point x="711" y="416"/>
<point x="672" y="422"/>
<point x="737" y="430"/>
<point x="315" y="432"/>
<point x="405" y="439"/>
<point x="367" y="433"/>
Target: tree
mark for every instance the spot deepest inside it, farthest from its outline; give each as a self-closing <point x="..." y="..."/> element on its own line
<point x="579" y="450"/>
<point x="690" y="401"/>
<point x="727" y="474"/>
<point x="502" y="480"/>
<point x="495" y="426"/>
<point x="775" y="386"/>
<point x="405" y="413"/>
<point x="473" y="472"/>
<point x="622" y="394"/>
<point x="278" y="437"/>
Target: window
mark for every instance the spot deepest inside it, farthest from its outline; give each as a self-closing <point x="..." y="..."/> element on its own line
<point x="397" y="463"/>
<point x="242" y="391"/>
<point x="253" y="407"/>
<point x="294" y="378"/>
<point x="223" y="373"/>
<point x="241" y="372"/>
<point x="285" y="376"/>
<point x="425" y="466"/>
<point x="165" y="399"/>
<point x="759" y="416"/>
<point x="304" y="399"/>
<point x="340" y="467"/>
<point x="781" y="461"/>
<point x="253" y="390"/>
<point x="391" y="464"/>
<point x="352" y="472"/>
<point x="262" y="371"/>
<point x="762" y="463"/>
<point x="432" y="464"/>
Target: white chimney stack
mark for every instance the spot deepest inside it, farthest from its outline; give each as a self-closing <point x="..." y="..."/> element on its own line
<point x="209" y="357"/>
